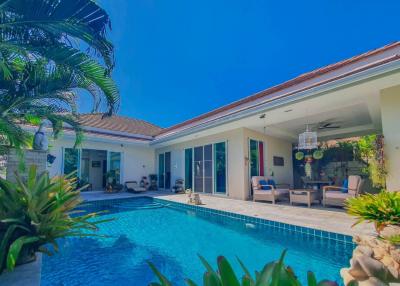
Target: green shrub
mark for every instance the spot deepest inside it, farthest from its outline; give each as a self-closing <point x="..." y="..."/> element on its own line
<point x="273" y="274"/>
<point x="36" y="212"/>
<point x="381" y="209"/>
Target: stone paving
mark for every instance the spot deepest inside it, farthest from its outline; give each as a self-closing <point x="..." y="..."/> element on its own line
<point x="317" y="217"/>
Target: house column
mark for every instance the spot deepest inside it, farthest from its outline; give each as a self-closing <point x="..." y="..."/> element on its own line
<point x="390" y="110"/>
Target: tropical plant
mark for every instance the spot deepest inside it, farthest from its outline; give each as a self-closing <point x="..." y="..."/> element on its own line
<point x="36" y="212"/>
<point x="369" y="150"/>
<point x="36" y="92"/>
<point x="42" y="60"/>
<point x="273" y="274"/>
<point x="382" y="209"/>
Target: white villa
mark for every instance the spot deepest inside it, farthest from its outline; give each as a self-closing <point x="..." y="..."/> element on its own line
<point x="217" y="152"/>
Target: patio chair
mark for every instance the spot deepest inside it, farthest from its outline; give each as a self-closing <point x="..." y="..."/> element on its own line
<point x="133" y="187"/>
<point x="268" y="192"/>
<point x="336" y="195"/>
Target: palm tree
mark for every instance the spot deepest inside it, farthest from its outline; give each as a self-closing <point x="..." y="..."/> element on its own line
<point x="42" y="63"/>
<point x="38" y="91"/>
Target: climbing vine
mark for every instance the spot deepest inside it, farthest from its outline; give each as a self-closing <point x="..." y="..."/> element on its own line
<point x="369" y="149"/>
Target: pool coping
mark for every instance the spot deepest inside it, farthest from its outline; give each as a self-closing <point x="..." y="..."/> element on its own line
<point x="24" y="275"/>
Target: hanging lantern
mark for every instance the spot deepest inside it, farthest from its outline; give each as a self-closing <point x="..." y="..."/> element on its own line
<point x="308" y="140"/>
<point x="299" y="155"/>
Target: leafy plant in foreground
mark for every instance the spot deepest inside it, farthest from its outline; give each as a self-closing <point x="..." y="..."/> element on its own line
<point x="382" y="209"/>
<point x="273" y="274"/>
<point x="37" y="212"/>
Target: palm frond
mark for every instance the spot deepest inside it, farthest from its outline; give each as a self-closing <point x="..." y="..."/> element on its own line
<point x="57" y="21"/>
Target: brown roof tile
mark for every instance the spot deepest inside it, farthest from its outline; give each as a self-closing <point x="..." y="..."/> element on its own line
<point x="116" y="123"/>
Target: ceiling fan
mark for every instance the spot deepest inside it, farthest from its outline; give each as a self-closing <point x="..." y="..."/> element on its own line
<point x="328" y="124"/>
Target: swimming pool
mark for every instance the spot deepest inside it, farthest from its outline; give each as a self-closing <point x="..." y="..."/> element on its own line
<point x="171" y="236"/>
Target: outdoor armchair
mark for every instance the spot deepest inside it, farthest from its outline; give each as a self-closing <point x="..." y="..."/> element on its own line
<point x="336" y="195"/>
<point x="268" y="192"/>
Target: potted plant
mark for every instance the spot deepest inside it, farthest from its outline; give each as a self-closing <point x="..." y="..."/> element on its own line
<point x="35" y="213"/>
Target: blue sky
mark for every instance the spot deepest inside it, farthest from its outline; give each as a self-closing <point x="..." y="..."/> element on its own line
<point x="176" y="59"/>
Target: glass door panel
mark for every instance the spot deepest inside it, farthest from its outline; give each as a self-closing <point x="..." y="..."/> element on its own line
<point x="261" y="157"/>
<point x="115" y="166"/>
<point x="161" y="166"/>
<point x="208" y="169"/>
<point x="254" y="158"/>
<point x="198" y="169"/>
<point x="188" y="168"/>
<point x="168" y="170"/>
<point x="220" y="168"/>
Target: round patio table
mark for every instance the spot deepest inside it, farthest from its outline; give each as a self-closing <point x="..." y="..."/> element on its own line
<point x="304" y="196"/>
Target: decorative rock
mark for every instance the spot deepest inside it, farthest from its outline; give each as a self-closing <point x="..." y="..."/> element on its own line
<point x="390" y="230"/>
<point x="375" y="261"/>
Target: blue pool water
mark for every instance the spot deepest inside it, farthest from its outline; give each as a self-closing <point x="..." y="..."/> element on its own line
<point x="146" y="230"/>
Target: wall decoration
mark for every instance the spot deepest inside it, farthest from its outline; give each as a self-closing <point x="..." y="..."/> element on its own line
<point x="278" y="161"/>
<point x="299" y="155"/>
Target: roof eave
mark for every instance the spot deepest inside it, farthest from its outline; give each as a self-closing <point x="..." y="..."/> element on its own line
<point x="390" y="65"/>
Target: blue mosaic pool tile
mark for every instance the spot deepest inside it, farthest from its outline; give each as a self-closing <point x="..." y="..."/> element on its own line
<point x="263" y="222"/>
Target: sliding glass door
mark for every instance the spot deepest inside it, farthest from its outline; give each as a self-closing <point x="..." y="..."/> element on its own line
<point x="209" y="168"/>
<point x="164" y="170"/>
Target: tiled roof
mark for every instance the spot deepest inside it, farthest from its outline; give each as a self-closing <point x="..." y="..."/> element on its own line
<point x="116" y="123"/>
<point x="288" y="84"/>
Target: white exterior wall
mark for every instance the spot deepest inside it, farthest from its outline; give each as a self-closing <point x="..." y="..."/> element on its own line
<point x="137" y="160"/>
<point x="272" y="147"/>
<point x="235" y="159"/>
<point x="237" y="151"/>
<point x="390" y="109"/>
<point x="142" y="160"/>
